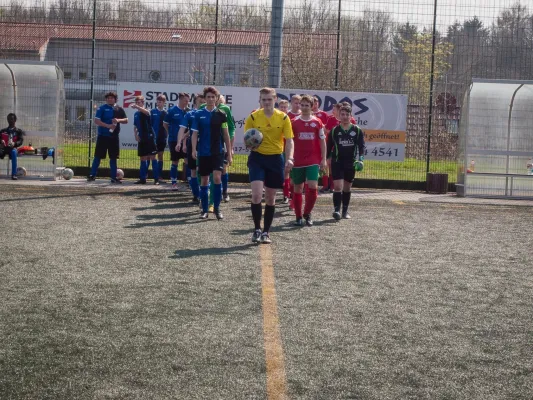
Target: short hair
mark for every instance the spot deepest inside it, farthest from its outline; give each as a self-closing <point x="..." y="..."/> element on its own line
<point x="337" y="105"/>
<point x="221" y="99"/>
<point x="161" y="97"/>
<point x="181" y="95"/>
<point x="141" y="97"/>
<point x="268" y="90"/>
<point x="111" y="94"/>
<point x="348" y="109"/>
<point x="346" y="104"/>
<point x="307" y="98"/>
<point x="12" y="115"/>
<point x="297" y="97"/>
<point x="316" y="99"/>
<point x="283" y="102"/>
<point x="211" y="89"/>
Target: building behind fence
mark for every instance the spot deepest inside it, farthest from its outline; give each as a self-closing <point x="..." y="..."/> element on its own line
<point x="345" y="45"/>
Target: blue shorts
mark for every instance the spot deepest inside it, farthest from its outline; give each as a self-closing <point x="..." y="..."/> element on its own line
<point x="267" y="168"/>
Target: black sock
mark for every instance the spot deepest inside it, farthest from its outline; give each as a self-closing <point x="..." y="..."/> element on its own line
<point x="257" y="211"/>
<point x="269" y="217"/>
<point x="345" y="201"/>
<point x="337" y="196"/>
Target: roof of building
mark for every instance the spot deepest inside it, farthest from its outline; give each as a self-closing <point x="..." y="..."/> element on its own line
<point x="33" y="36"/>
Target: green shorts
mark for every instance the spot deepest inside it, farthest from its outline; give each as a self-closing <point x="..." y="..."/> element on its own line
<point x="300" y="174"/>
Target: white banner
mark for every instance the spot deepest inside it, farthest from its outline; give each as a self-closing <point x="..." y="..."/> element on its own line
<point x="385" y="113"/>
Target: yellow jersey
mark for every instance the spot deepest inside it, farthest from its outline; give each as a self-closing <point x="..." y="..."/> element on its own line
<point x="274" y="130"/>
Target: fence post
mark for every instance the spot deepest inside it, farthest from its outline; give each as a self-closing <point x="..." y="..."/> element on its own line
<point x="431" y="79"/>
<point x="338" y="47"/>
<point x="91" y="101"/>
<point x="216" y="44"/>
<point x="276" y="44"/>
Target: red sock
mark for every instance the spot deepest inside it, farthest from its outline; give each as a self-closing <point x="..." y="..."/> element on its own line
<point x="286" y="185"/>
<point x="297" y="202"/>
<point x="305" y="188"/>
<point x="325" y="183"/>
<point x="310" y="200"/>
<point x="291" y="185"/>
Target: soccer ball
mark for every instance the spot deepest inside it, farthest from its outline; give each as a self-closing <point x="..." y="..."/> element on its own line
<point x="67" y="174"/>
<point x="253" y="138"/>
<point x="21" y="172"/>
<point x="120" y="174"/>
<point x="358" y="166"/>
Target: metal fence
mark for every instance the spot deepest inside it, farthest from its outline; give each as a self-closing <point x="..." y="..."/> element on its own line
<point x="426" y="50"/>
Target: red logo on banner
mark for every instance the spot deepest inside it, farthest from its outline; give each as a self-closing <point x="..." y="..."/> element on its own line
<point x="129" y="97"/>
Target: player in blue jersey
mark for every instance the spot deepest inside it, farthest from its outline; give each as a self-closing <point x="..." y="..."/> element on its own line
<point x="185" y="143"/>
<point x="145" y="137"/>
<point x="209" y="139"/>
<point x="108" y="119"/>
<point x="172" y="123"/>
<point x="157" y="116"/>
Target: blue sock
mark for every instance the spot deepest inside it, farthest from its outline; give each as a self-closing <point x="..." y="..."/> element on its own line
<point x="155" y="168"/>
<point x="113" y="167"/>
<point x="188" y="174"/>
<point x="14" y="162"/>
<point x="195" y="188"/>
<point x="204" y="196"/>
<point x="143" y="170"/>
<point x="225" y="183"/>
<point x="174" y="173"/>
<point x="94" y="167"/>
<point x="160" y="167"/>
<point x="217" y="195"/>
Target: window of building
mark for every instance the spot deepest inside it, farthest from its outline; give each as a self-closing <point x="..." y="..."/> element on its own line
<point x="244" y="77"/>
<point x="112" y="70"/>
<point x="67" y="74"/>
<point x="80" y="113"/>
<point x="452" y="126"/>
<point x="198" y="76"/>
<point x="67" y="113"/>
<point x="82" y="74"/>
<point x="229" y="76"/>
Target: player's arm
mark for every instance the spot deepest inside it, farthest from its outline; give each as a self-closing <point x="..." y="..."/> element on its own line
<point x="249" y="123"/>
<point x="166" y="121"/>
<point x="122" y="118"/>
<point x="361" y="144"/>
<point x="141" y="109"/>
<point x="98" y="121"/>
<point x="181" y="137"/>
<point x="20" y="138"/>
<point x="323" y="152"/>
<point x="194" y="140"/>
<point x="227" y="141"/>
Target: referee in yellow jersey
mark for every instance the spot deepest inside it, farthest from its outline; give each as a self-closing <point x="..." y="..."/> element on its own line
<point x="266" y="164"/>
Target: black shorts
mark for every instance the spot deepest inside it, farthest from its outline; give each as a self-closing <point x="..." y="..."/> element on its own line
<point x="175" y="155"/>
<point x="107" y="145"/>
<point x="146" y="149"/>
<point x="267" y="168"/>
<point x="342" y="171"/>
<point x="4" y="151"/>
<point x="191" y="162"/>
<point x="160" y="146"/>
<point x="208" y="164"/>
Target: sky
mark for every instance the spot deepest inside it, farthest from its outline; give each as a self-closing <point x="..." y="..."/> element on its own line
<point x="418" y="12"/>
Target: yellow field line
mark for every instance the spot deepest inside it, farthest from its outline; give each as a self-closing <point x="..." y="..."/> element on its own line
<point x="275" y="363"/>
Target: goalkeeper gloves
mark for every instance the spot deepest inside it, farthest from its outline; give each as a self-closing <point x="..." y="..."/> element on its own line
<point x="358" y="166"/>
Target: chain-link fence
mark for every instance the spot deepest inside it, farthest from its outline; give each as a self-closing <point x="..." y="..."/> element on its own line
<point x="427" y="51"/>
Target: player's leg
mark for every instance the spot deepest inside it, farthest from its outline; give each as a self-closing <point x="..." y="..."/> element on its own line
<point x="160" y="157"/>
<point x="155" y="167"/>
<point x="100" y="151"/>
<point x="13" y="157"/>
<point x="211" y="197"/>
<point x="298" y="177"/>
<point x="218" y="167"/>
<point x="347" y="191"/>
<point x="256" y="172"/>
<point x="174" y="158"/>
<point x="195" y="187"/>
<point x="337" y="173"/>
<point x="204" y="170"/>
<point x="225" y="180"/>
<point x="311" y="193"/>
<point x="286" y="187"/>
<point x="113" y="151"/>
<point x="274" y="176"/>
<point x="143" y="169"/>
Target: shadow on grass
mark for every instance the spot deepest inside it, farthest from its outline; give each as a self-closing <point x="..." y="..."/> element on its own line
<point x="213" y="251"/>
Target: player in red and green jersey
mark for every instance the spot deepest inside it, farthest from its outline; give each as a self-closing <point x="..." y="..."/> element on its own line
<point x="309" y="157"/>
<point x="321" y="115"/>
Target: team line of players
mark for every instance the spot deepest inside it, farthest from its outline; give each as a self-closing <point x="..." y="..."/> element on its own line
<point x="294" y="147"/>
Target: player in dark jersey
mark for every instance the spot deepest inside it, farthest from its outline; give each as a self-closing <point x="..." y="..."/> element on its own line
<point x="157" y="116"/>
<point x="209" y="135"/>
<point x="108" y="119"/>
<point x="145" y="137"/>
<point x="345" y="148"/>
<point x="172" y="123"/>
<point x="11" y="138"/>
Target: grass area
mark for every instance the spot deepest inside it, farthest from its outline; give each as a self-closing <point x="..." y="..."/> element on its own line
<point x="76" y="155"/>
<point x="118" y="293"/>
